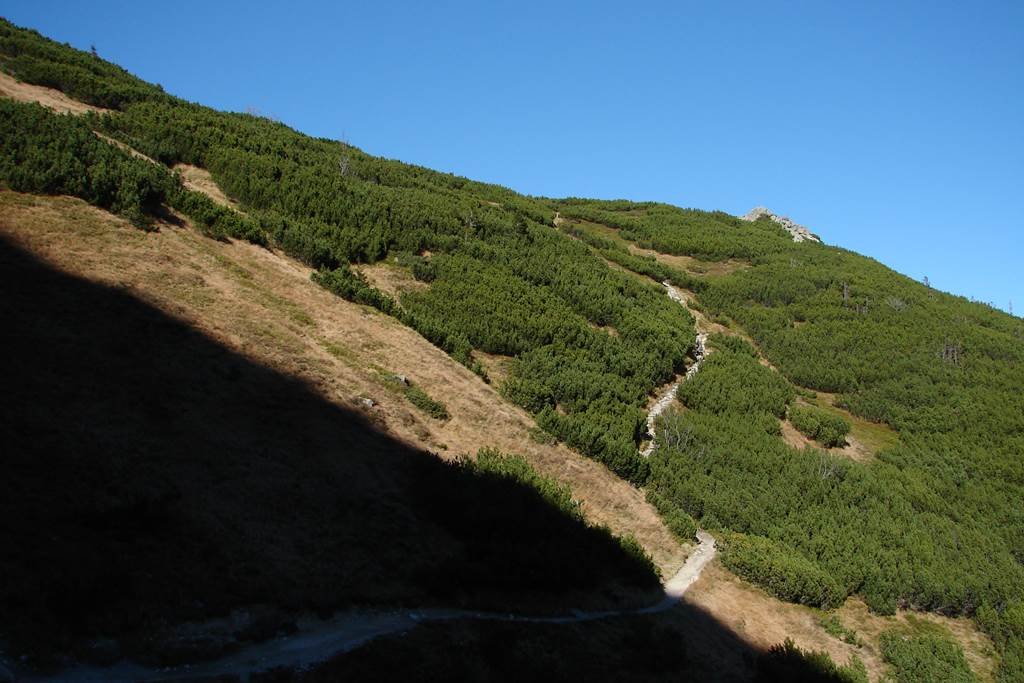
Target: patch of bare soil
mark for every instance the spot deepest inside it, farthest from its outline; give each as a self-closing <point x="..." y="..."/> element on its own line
<point x="792" y="436"/>
<point x="14" y="89"/>
<point x="498" y="367"/>
<point x="200" y="180"/>
<point x="263" y="305"/>
<point x="391" y="279"/>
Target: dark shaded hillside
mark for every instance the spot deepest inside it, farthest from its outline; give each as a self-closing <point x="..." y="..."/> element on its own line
<point x="153" y="476"/>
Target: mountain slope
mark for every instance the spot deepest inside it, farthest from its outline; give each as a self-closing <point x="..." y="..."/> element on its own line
<point x="563" y="297"/>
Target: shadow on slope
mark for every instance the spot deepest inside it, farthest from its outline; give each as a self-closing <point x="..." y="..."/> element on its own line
<point x="153" y="477"/>
<point x="684" y="643"/>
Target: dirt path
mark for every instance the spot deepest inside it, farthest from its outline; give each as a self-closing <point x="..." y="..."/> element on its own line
<point x="319" y="640"/>
<point x="700" y="352"/>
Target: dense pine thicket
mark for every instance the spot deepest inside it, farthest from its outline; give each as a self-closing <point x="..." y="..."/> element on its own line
<point x="590" y="343"/>
<point x="934" y="522"/>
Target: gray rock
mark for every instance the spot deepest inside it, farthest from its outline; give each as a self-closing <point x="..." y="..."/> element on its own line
<point x="798" y="232"/>
<point x="366" y="403"/>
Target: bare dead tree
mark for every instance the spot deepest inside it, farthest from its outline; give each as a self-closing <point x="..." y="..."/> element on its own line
<point x="895" y="302"/>
<point x="846" y="293"/>
<point x="827" y="467"/>
<point x="952" y="352"/>
<point x="345" y="160"/>
<point x="675" y="434"/>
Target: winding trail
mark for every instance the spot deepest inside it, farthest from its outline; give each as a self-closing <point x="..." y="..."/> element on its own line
<point x="700" y="352"/>
<point x="318" y="640"/>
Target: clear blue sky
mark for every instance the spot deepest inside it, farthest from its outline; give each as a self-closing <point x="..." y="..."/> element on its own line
<point x="892" y="128"/>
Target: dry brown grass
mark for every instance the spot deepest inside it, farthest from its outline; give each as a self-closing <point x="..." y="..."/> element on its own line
<point x="263" y="305"/>
<point x="391" y="279"/>
<point x="200" y="180"/>
<point x="14" y="89"/>
<point x="978" y="648"/>
<point x="764" y="621"/>
<point x="497" y="366"/>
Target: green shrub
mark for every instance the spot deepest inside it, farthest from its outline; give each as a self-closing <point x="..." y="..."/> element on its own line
<point x="350" y="285"/>
<point x="824" y="427"/>
<point x="421" y="400"/>
<point x="736" y="383"/>
<point x="540" y="436"/>
<point x="46" y="153"/>
<point x="678" y="521"/>
<point x="493" y="461"/>
<point x="217" y="221"/>
<point x="925" y="658"/>
<point x="781" y="571"/>
<point x="835" y="628"/>
<point x="730" y="342"/>
<point x="787" y="662"/>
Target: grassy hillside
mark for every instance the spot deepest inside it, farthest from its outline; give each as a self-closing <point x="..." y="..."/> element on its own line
<point x="566" y="291"/>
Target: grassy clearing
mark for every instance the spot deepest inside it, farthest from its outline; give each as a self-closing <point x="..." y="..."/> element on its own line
<point x="691" y="265"/>
<point x="873" y="436"/>
<point x="599" y="230"/>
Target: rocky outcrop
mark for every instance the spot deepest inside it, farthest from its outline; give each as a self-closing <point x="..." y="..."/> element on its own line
<point x="797" y="231"/>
